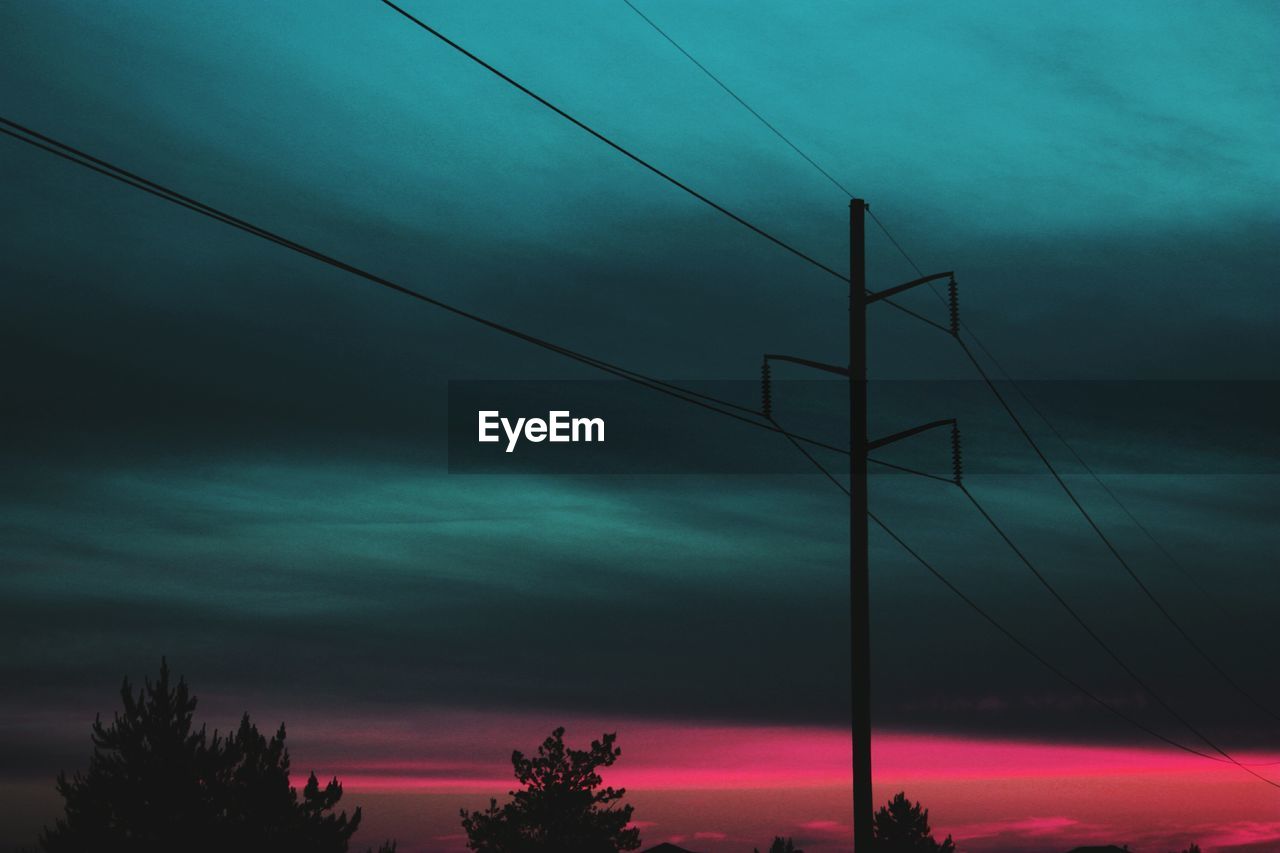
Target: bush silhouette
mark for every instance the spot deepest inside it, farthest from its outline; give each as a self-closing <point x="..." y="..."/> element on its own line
<point x="903" y="827"/>
<point x="562" y="806"/>
<point x="782" y="845"/>
<point x="155" y="784"/>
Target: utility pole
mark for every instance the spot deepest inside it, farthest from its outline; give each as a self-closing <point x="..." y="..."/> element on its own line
<point x="859" y="446"/>
<point x="859" y="557"/>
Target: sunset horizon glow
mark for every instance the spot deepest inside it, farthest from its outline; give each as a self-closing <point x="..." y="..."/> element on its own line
<point x="717" y="788"/>
<point x="939" y="360"/>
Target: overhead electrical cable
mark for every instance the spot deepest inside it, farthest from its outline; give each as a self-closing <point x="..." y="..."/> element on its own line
<point x="626" y="152"/>
<point x="1105" y="539"/>
<point x="1208" y="594"/>
<point x="1034" y="654"/>
<point x="734" y="95"/>
<point x="66" y="152"/>
<point x="1099" y="641"/>
<point x="1005" y="373"/>
<point x="1222" y="756"/>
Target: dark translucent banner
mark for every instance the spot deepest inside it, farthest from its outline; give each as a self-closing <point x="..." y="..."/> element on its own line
<point x="618" y="427"/>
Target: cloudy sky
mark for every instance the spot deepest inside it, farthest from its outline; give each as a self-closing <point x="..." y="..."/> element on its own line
<point x="231" y="455"/>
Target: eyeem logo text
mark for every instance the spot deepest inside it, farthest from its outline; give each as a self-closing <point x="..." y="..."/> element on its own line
<point x="558" y="427"/>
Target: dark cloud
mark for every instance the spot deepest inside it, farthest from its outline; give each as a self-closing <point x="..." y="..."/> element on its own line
<point x="232" y="455"/>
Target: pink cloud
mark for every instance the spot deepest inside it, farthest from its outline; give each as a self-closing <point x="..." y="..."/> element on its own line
<point x="1032" y="827"/>
<point x="1242" y="833"/>
<point x="761" y="781"/>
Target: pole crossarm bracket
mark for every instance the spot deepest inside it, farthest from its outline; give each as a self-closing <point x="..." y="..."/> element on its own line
<point x="816" y="365"/>
<point x="907" y="433"/>
<point x="876" y="296"/>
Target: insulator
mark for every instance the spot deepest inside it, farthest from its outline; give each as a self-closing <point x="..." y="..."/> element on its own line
<point x="957" y="462"/>
<point x="954" y="298"/>
<point x="766" y="389"/>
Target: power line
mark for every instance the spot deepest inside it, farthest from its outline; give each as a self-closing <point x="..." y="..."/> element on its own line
<point x="734" y="95"/>
<point x="1106" y="540"/>
<point x="1213" y="663"/>
<point x="807" y="455"/>
<point x="1032" y="652"/>
<point x="1205" y="591"/>
<point x="1247" y="694"/>
<point x="103" y="167"/>
<point x="893" y="240"/>
<point x="640" y="160"/>
<point x="1075" y="615"/>
<point x="778" y="133"/>
<point x="611" y="143"/>
<point x="1225" y="757"/>
<point x="906" y="470"/>
<point x="897" y="245"/>
<point x="907" y="257"/>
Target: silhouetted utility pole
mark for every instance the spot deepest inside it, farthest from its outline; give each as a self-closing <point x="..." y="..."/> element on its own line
<point x="859" y="447"/>
<point x="859" y="562"/>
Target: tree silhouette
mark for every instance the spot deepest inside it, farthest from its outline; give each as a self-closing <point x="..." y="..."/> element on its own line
<point x="903" y="827"/>
<point x="562" y="806"/>
<point x="156" y="784"/>
<point x="781" y="845"/>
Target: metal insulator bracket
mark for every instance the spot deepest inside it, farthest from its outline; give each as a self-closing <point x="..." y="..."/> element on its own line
<point x="766" y="389"/>
<point x="953" y="294"/>
<point x="957" y="461"/>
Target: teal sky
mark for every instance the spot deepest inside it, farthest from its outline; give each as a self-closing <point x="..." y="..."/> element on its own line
<point x="1104" y="164"/>
<point x="215" y="447"/>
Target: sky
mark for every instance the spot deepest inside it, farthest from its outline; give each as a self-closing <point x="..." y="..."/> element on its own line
<point x="226" y="454"/>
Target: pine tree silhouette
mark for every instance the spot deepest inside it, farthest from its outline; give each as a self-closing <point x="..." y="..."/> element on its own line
<point x="156" y="784"/>
<point x="903" y="827"/>
<point x="561" y="808"/>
